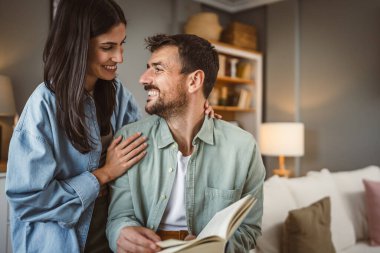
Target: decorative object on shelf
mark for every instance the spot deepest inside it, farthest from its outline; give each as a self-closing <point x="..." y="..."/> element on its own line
<point x="241" y="35"/>
<point x="244" y="70"/>
<point x="282" y="139"/>
<point x="245" y="97"/>
<point x="233" y="66"/>
<point x="223" y="96"/>
<point x="222" y="65"/>
<point x="205" y="25"/>
<point x="7" y="103"/>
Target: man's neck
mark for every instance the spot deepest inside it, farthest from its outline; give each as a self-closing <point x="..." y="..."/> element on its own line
<point x="185" y="127"/>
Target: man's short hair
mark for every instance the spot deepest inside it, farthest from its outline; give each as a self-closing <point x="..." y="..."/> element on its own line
<point x="195" y="53"/>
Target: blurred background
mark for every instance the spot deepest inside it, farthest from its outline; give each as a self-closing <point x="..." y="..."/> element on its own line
<point x="321" y="61"/>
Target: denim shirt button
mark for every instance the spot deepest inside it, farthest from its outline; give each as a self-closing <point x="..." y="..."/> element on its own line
<point x="170" y="170"/>
<point x="163" y="196"/>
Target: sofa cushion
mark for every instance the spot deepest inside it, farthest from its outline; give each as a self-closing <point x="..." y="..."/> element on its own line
<point x="372" y="193"/>
<point x="350" y="186"/>
<point x="362" y="247"/>
<point x="315" y="186"/>
<point x="308" y="229"/>
<point x="277" y="202"/>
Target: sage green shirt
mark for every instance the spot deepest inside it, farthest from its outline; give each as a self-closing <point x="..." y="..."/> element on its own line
<point x="224" y="167"/>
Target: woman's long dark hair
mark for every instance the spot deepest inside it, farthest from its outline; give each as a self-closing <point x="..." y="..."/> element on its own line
<point x="65" y="64"/>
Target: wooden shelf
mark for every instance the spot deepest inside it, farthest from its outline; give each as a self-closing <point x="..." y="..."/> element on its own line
<point x="249" y="118"/>
<point x="233" y="80"/>
<point x="222" y="44"/>
<point x="232" y="108"/>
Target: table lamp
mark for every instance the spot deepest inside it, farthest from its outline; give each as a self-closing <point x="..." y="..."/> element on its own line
<point x="282" y="139"/>
<point x="7" y="102"/>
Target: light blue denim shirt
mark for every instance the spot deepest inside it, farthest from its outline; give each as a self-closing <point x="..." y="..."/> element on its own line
<point x="225" y="166"/>
<point x="49" y="184"/>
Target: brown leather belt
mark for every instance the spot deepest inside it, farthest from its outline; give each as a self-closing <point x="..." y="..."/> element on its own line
<point x="178" y="235"/>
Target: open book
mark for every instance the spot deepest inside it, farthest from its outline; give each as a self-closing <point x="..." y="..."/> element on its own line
<point x="214" y="236"/>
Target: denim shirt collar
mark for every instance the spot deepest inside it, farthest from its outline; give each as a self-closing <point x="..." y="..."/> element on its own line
<point x="205" y="134"/>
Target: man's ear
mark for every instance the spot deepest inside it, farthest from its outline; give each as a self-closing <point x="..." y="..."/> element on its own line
<point x="196" y="80"/>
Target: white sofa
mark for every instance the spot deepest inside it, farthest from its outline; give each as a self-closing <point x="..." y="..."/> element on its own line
<point x="348" y="210"/>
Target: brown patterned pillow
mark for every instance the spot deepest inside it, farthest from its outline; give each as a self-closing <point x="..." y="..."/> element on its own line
<point x="308" y="229"/>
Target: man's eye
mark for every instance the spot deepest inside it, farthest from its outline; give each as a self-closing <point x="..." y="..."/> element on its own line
<point x="106" y="48"/>
<point x="157" y="70"/>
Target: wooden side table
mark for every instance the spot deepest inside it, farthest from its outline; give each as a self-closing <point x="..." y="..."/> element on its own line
<point x="3" y="166"/>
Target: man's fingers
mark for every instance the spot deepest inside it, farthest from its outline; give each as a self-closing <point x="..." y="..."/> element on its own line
<point x="189" y="237"/>
<point x="142" y="242"/>
<point x="151" y="235"/>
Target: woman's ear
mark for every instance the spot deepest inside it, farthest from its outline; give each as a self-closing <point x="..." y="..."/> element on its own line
<point x="196" y="81"/>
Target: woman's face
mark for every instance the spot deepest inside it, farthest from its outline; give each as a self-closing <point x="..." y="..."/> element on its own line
<point x="105" y="52"/>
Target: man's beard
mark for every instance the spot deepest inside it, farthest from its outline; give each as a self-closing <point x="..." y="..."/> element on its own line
<point x="171" y="108"/>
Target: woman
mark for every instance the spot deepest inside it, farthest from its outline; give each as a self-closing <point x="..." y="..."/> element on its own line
<point x="61" y="154"/>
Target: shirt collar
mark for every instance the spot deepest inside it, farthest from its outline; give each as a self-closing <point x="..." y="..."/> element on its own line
<point x="206" y="133"/>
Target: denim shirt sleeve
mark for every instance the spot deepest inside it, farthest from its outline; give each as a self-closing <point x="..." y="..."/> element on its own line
<point x="36" y="189"/>
<point x="246" y="235"/>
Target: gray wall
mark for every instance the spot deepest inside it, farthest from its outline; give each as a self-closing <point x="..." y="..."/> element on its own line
<point x="24" y="27"/>
<point x="340" y="79"/>
<point x="23" y="31"/>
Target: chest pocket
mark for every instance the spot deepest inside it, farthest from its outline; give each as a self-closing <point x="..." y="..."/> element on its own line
<point x="217" y="199"/>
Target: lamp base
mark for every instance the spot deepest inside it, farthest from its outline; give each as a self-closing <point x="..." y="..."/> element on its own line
<point x="282" y="172"/>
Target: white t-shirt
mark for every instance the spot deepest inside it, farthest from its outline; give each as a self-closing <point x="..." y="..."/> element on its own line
<point x="174" y="217"/>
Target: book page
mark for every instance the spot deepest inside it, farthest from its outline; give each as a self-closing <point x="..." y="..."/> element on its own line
<point x="217" y="231"/>
<point x="225" y="222"/>
<point x="170" y="243"/>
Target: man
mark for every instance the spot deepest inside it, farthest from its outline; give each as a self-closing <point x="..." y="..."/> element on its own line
<point x="195" y="165"/>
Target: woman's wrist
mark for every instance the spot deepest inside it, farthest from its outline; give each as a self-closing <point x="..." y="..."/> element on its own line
<point x="102" y="176"/>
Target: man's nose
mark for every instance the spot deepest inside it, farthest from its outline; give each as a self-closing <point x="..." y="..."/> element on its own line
<point x="146" y="77"/>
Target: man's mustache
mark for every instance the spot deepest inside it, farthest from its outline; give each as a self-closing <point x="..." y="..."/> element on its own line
<point x="150" y="87"/>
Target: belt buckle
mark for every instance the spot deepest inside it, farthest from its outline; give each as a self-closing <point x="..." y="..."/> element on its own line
<point x="182" y="234"/>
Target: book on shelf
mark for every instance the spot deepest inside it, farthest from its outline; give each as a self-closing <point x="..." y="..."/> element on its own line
<point x="245" y="97"/>
<point x="214" y="236"/>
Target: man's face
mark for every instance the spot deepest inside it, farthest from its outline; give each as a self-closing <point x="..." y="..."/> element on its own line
<point x="166" y="87"/>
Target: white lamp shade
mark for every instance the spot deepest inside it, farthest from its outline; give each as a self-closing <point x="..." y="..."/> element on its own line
<point x="7" y="102"/>
<point x="285" y="139"/>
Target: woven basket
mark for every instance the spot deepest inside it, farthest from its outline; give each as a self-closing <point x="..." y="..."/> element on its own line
<point x="205" y="25"/>
<point x="241" y="35"/>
